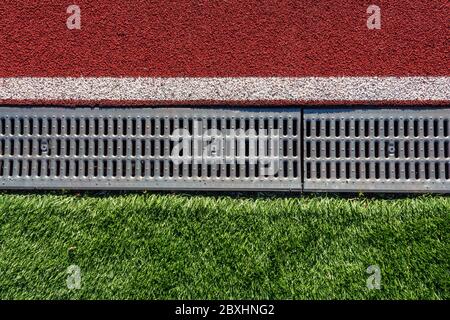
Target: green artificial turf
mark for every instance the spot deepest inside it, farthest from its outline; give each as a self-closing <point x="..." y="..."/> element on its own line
<point x="148" y="246"/>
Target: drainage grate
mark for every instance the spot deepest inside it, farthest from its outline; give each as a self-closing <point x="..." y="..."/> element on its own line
<point x="150" y="148"/>
<point x="377" y="150"/>
<point x="225" y="149"/>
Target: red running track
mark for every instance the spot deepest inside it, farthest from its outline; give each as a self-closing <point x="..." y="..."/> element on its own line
<point x="293" y="41"/>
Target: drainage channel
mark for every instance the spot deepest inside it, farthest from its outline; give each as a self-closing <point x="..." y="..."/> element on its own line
<point x="293" y="149"/>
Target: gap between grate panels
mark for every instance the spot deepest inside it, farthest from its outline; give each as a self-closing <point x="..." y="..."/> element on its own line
<point x="377" y="150"/>
<point x="150" y="148"/>
<point x="302" y="142"/>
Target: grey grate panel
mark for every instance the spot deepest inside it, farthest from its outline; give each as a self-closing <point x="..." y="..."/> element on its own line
<point x="150" y="148"/>
<point x="377" y="150"/>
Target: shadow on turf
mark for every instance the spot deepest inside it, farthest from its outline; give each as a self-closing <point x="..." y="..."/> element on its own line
<point x="235" y="194"/>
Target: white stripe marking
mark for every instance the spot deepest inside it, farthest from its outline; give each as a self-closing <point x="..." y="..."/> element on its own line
<point x="227" y="89"/>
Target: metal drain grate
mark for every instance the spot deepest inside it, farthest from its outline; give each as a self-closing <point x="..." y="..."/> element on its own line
<point x="377" y="150"/>
<point x="225" y="149"/>
<point x="150" y="148"/>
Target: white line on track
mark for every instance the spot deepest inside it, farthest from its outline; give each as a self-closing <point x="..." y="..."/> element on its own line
<point x="227" y="89"/>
